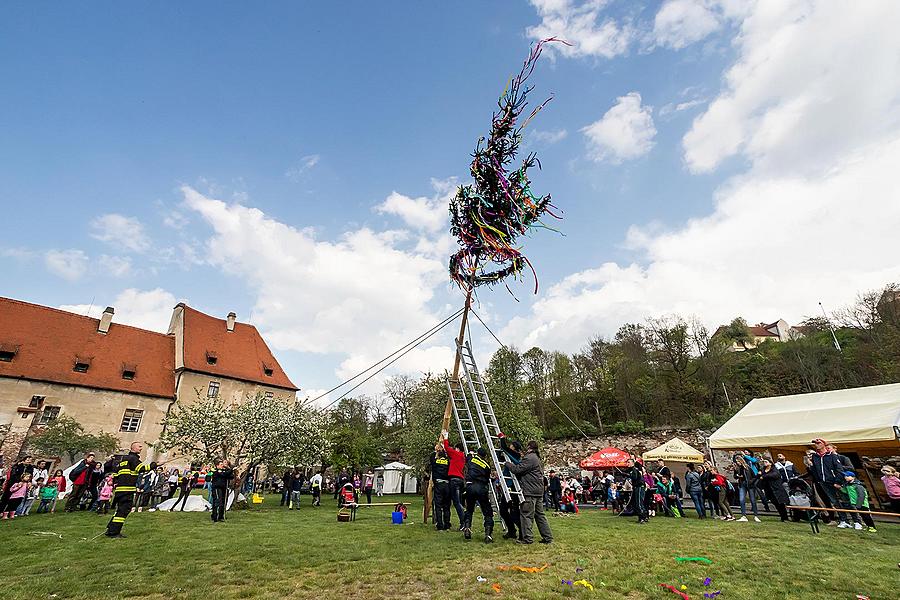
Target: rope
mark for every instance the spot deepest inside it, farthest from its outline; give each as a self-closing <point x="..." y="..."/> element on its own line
<point x="550" y="399"/>
<point x="415" y="340"/>
<point x="488" y="329"/>
<point x="432" y="331"/>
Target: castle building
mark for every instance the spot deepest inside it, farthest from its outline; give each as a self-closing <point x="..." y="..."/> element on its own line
<point x="122" y="379"/>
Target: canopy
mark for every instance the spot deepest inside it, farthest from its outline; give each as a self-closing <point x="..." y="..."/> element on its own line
<point x="605" y="459"/>
<point x="398" y="478"/>
<point x="676" y="450"/>
<point x="863" y="415"/>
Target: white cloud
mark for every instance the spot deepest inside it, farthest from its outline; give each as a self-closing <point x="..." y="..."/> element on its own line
<point x="626" y="131"/>
<point x="296" y="172"/>
<point x="680" y="23"/>
<point x="815" y="215"/>
<point x="422" y="214"/>
<point x="360" y="296"/>
<point x="680" y="106"/>
<point x="549" y="137"/>
<point x="116" y="266"/>
<point x="772" y="248"/>
<point x="813" y="81"/>
<point x="123" y="232"/>
<point x="581" y="24"/>
<point x="71" y="265"/>
<point x="150" y="309"/>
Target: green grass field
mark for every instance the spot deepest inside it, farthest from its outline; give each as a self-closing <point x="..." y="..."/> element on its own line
<point x="269" y="552"/>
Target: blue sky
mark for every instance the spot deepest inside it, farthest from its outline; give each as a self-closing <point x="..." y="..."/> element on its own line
<point x="244" y="159"/>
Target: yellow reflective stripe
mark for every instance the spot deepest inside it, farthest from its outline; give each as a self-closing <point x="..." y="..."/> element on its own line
<point x="118" y="519"/>
<point x="126" y="488"/>
<point x="479" y="462"/>
<point x="126" y="472"/>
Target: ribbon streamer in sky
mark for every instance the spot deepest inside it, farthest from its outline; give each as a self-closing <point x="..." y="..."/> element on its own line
<point x="489" y="215"/>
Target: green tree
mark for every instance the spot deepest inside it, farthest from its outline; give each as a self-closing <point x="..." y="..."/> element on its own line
<point x="426" y="411"/>
<point x="66" y="436"/>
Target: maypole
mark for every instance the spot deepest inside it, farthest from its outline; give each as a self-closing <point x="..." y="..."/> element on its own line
<point x="488" y="215"/>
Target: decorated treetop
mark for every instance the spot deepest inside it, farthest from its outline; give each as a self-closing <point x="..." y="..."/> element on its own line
<point x="488" y="215"/>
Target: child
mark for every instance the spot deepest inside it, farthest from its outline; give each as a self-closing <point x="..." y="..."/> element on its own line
<point x="48" y="495"/>
<point x="613" y="496"/>
<point x="569" y="503"/>
<point x="30" y="496"/>
<point x="106" y="490"/>
<point x="855" y="496"/>
<point x="17" y="493"/>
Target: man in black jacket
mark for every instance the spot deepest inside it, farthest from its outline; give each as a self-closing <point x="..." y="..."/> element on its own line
<point x="125" y="477"/>
<point x="440" y="476"/>
<point x="555" y="486"/>
<point x="219" y="485"/>
<point x="635" y="473"/>
<point x="478" y="482"/>
<point x="827" y="470"/>
<point x="509" y="509"/>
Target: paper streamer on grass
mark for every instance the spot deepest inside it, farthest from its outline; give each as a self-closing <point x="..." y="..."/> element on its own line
<point x="675" y="591"/>
<point x="522" y="569"/>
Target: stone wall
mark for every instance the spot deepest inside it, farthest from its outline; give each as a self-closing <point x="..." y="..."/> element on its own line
<point x="566" y="454"/>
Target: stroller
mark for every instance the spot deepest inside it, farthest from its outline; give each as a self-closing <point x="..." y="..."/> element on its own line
<point x="800" y="494"/>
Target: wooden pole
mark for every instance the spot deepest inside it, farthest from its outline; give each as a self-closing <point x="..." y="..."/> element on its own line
<point x="448" y="409"/>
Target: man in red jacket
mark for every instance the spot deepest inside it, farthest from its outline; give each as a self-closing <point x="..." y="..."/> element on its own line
<point x="457" y="482"/>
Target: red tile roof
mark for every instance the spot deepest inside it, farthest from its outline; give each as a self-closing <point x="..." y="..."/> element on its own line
<point x="48" y="341"/>
<point x="240" y="354"/>
<point x="759" y="331"/>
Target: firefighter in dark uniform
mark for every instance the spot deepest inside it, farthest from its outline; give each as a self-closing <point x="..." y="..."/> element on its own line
<point x="478" y="484"/>
<point x="124" y="478"/>
<point x="440" y="477"/>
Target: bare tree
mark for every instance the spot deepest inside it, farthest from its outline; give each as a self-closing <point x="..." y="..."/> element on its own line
<point x="400" y="389"/>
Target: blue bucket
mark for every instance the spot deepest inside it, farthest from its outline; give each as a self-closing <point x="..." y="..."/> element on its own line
<point x="397" y="518"/>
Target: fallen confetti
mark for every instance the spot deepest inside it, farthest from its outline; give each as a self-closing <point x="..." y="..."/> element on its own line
<point x="480" y="579"/>
<point x="675" y="591"/>
<point x="496" y="587"/>
<point x="699" y="559"/>
<point x="567" y="582"/>
<point x="584" y="583"/>
<point x="707" y="581"/>
<point x="522" y="569"/>
<point x="711" y="594"/>
<point x="683" y="587"/>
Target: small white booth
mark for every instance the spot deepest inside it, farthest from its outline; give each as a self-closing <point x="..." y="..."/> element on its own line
<point x="398" y="478"/>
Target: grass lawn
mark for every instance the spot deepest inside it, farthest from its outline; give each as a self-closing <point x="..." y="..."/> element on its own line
<point x="269" y="552"/>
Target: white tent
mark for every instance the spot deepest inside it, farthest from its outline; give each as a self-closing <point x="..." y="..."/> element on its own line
<point x="398" y="478"/>
<point x="867" y="417"/>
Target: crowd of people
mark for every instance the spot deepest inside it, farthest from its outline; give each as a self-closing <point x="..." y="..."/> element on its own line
<point x="464" y="482"/>
<point x="93" y="486"/>
<point x="829" y="481"/>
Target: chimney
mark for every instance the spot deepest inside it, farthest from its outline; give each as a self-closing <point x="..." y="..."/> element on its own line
<point x="106" y="320"/>
<point x="230" y="322"/>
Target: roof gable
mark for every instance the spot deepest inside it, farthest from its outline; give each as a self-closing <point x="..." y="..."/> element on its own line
<point x="239" y="354"/>
<point x="48" y="342"/>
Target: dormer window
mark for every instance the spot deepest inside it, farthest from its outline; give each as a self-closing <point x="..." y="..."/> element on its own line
<point x="8" y="352"/>
<point x="82" y="364"/>
<point x="211" y="357"/>
<point x="129" y="371"/>
<point x="268" y="370"/>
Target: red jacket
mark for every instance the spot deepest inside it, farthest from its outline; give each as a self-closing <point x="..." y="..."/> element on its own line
<point x="457" y="460"/>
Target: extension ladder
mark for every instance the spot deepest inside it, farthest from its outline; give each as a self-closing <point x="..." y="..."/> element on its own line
<point x="489" y="426"/>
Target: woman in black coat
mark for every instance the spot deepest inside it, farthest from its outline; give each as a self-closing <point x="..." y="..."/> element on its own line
<point x="770" y="483"/>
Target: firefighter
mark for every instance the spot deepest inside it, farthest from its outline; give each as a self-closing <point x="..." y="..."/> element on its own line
<point x="440" y="476"/>
<point x="478" y="483"/>
<point x="125" y="477"/>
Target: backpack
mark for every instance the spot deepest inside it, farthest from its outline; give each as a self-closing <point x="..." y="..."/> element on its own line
<point x="77" y="471"/>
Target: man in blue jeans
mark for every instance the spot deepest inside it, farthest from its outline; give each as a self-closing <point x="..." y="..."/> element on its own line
<point x="695" y="489"/>
<point x="826" y="469"/>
